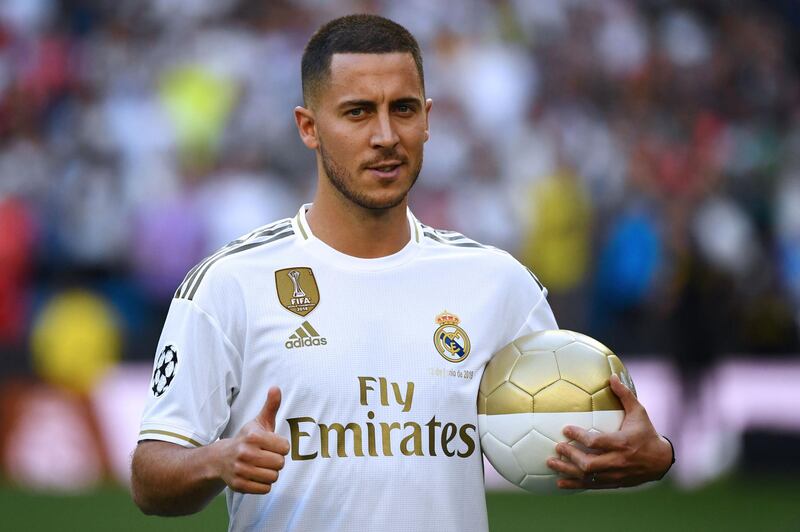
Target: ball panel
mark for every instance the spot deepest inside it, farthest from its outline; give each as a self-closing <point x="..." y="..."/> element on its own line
<point x="508" y="428"/>
<point x="605" y="399"/>
<point x="540" y="483"/>
<point x="562" y="396"/>
<point x="544" y="340"/>
<point x="608" y="420"/>
<point x="499" y="368"/>
<point x="508" y="399"/>
<point x="551" y="424"/>
<point x="583" y="366"/>
<point x="481" y="403"/>
<point x="588" y="340"/>
<point x="502" y="459"/>
<point x="532" y="453"/>
<point x="534" y="371"/>
<point x="618" y="368"/>
<point x="615" y="364"/>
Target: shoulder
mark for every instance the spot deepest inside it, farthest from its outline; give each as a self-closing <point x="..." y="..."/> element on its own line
<point x="213" y="269"/>
<point x="444" y="237"/>
<point x="455" y="246"/>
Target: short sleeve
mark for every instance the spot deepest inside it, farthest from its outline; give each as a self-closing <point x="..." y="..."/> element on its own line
<point x="540" y="318"/>
<point x="539" y="315"/>
<point x="196" y="374"/>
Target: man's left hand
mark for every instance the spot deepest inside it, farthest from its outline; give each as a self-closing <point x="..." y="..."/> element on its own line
<point x="633" y="455"/>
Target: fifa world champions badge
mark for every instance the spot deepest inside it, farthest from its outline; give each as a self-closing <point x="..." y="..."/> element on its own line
<point x="297" y="290"/>
<point x="451" y="340"/>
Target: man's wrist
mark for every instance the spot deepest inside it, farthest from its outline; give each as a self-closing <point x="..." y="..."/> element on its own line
<point x="212" y="460"/>
<point x="672" y="455"/>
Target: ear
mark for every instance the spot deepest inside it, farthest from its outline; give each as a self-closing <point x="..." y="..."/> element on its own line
<point x="428" y="105"/>
<point x="306" y="126"/>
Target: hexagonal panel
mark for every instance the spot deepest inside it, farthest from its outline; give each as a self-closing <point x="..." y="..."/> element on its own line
<point x="606" y="399"/>
<point x="481" y="403"/>
<point x="562" y="396"/>
<point x="502" y="458"/>
<point x="508" y="399"/>
<point x="608" y="420"/>
<point x="532" y="452"/>
<point x="535" y="370"/>
<point x="542" y="484"/>
<point x="588" y="340"/>
<point x="583" y="366"/>
<point x="508" y="428"/>
<point x="499" y="368"/>
<point x="551" y="424"/>
<point x="544" y="340"/>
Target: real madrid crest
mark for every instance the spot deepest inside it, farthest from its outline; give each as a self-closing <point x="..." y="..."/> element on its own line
<point x="450" y="340"/>
<point x="297" y="290"/>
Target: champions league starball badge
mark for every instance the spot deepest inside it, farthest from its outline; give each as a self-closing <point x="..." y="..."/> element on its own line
<point x="166" y="364"/>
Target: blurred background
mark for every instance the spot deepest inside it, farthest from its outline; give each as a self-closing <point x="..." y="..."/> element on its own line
<point x="642" y="157"/>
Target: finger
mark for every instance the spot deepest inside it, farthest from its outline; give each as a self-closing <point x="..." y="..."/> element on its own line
<point x="268" y="441"/>
<point x="569" y="484"/>
<point x="242" y="485"/>
<point x="626" y="396"/>
<point x="260" y="475"/>
<point x="574" y="455"/>
<point x="565" y="469"/>
<point x="265" y="459"/>
<point x="586" y="484"/>
<point x="589" y="462"/>
<point x="266" y="418"/>
<point x="602" y="441"/>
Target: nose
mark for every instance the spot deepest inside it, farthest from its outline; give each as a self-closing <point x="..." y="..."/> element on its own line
<point x="384" y="135"/>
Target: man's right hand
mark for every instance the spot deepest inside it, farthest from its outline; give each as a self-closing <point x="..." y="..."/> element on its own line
<point x="250" y="461"/>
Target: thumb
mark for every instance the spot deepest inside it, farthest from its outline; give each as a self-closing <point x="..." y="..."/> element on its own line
<point x="626" y="396"/>
<point x="266" y="418"/>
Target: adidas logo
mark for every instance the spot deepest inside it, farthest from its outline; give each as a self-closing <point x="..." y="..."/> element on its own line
<point x="305" y="336"/>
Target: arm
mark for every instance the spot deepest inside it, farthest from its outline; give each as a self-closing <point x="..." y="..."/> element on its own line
<point x="168" y="479"/>
<point x="633" y="455"/>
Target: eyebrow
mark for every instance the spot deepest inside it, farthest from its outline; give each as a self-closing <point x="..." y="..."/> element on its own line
<point x="406" y="100"/>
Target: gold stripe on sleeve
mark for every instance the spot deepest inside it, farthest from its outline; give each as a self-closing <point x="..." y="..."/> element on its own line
<point x="172" y="434"/>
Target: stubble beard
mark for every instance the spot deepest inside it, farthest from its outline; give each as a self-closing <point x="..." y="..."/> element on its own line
<point x="342" y="180"/>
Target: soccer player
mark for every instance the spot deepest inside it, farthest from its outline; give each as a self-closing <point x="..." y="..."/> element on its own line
<point x="325" y="368"/>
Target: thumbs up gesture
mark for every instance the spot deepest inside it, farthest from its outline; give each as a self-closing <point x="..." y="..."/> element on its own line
<point x="252" y="459"/>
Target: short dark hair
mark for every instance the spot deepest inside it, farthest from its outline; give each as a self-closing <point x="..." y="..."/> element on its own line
<point x="353" y="34"/>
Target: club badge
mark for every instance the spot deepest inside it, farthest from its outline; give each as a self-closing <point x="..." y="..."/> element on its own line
<point x="451" y="340"/>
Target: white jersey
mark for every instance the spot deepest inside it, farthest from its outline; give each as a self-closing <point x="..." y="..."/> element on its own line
<point x="379" y="361"/>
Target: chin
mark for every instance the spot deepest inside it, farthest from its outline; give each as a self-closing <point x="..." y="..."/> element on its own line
<point x="382" y="202"/>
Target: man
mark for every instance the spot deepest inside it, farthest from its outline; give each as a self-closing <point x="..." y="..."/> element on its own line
<point x="325" y="368"/>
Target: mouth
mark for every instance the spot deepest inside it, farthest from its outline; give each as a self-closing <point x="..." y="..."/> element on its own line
<point x="386" y="169"/>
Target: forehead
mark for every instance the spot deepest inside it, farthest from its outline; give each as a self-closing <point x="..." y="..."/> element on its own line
<point x="373" y="76"/>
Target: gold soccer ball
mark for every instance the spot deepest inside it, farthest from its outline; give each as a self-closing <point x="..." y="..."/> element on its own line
<point x="534" y="387"/>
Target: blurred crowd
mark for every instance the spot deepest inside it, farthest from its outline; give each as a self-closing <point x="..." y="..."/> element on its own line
<point x="642" y="157"/>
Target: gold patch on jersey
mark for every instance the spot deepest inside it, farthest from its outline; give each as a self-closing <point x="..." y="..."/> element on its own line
<point x="297" y="290"/>
<point x="451" y="340"/>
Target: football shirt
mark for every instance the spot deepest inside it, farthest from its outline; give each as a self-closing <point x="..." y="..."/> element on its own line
<point x="379" y="361"/>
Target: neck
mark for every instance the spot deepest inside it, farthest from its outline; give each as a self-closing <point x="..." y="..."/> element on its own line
<point x="356" y="231"/>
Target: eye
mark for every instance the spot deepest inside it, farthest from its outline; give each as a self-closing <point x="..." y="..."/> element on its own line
<point x="404" y="108"/>
<point x="355" y="112"/>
